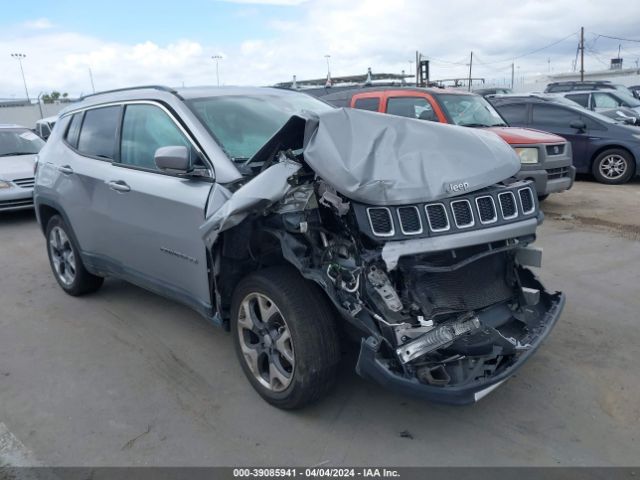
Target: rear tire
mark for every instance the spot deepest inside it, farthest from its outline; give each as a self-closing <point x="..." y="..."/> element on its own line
<point x="285" y="337"/>
<point x="65" y="260"/>
<point x="613" y="167"/>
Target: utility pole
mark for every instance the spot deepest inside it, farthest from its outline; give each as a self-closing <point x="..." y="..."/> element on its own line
<point x="470" y="65"/>
<point x="512" y="73"/>
<point x="581" y="54"/>
<point x="20" y="57"/>
<point x="216" y="58"/>
<point x="418" y="68"/>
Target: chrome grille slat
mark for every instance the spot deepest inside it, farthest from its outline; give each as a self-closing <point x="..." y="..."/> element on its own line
<point x="437" y="217"/>
<point x="508" y="205"/>
<point x="487" y="212"/>
<point x="24" y="182"/>
<point x="410" y="221"/>
<point x="462" y="213"/>
<point x="526" y="201"/>
<point x="381" y="221"/>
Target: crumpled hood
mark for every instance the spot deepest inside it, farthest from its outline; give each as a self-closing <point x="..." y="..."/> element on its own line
<point x="383" y="159"/>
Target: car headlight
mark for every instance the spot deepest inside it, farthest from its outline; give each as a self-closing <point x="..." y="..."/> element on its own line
<point x="5" y="184"/>
<point x="527" y="155"/>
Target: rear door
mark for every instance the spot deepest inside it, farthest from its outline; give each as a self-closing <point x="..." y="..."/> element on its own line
<point x="154" y="233"/>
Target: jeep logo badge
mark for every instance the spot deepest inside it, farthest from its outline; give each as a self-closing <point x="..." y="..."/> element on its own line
<point x="457" y="187"/>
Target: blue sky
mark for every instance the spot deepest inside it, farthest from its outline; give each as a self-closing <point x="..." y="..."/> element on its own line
<point x="267" y="41"/>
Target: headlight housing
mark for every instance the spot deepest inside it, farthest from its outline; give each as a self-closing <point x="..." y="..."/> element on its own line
<point x="5" y="184"/>
<point x="527" y="155"/>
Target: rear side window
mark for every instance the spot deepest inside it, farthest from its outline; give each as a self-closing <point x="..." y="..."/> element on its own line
<point x="553" y="116"/>
<point x="74" y="130"/>
<point x="371" y="104"/>
<point x="98" y="132"/>
<point x="146" y="128"/>
<point x="514" y="114"/>
<point x="580" y="98"/>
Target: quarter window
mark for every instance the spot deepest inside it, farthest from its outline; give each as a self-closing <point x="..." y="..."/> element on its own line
<point x="580" y="99"/>
<point x="146" y="128"/>
<point x="98" y="132"/>
<point x="371" y="104"/>
<point x="74" y="130"/>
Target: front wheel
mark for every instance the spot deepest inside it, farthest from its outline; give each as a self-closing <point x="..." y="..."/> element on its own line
<point x="613" y="167"/>
<point x="285" y="337"/>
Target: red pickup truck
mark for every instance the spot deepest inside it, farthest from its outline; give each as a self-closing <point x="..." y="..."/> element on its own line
<point x="546" y="158"/>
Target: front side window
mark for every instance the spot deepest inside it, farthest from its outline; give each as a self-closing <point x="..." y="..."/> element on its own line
<point x="412" y="107"/>
<point x="470" y="110"/>
<point x="146" y="128"/>
<point x="371" y="104"/>
<point x="98" y="133"/>
<point x="241" y="124"/>
<point x="554" y="116"/>
<point x="19" y="141"/>
<point x="74" y="130"/>
<point x="514" y="113"/>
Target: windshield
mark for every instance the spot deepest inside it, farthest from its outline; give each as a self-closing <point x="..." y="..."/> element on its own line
<point x="243" y="123"/>
<point x="470" y="111"/>
<point x="627" y="99"/>
<point x="19" y="141"/>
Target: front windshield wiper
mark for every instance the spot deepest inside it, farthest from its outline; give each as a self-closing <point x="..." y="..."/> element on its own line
<point x="15" y="154"/>
<point x="482" y="125"/>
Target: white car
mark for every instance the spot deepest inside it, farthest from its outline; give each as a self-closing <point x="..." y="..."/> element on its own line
<point x="18" y="149"/>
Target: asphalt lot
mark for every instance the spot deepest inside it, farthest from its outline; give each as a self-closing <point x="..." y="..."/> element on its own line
<point x="124" y="377"/>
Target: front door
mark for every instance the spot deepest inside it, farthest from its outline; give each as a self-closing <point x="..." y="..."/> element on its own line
<point x="154" y="234"/>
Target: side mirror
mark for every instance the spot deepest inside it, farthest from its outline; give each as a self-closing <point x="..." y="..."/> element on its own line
<point x="173" y="159"/>
<point x="578" y="125"/>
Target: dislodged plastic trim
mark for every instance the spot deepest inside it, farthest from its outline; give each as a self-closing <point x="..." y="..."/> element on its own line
<point x="392" y="251"/>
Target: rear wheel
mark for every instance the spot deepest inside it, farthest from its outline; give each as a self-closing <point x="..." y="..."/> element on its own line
<point x="65" y="260"/>
<point x="285" y="337"/>
<point x="614" y="166"/>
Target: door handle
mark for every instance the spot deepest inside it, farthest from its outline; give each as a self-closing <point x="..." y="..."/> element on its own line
<point x="118" y="186"/>
<point x="66" y="169"/>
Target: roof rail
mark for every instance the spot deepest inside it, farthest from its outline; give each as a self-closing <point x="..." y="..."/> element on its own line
<point x="155" y="87"/>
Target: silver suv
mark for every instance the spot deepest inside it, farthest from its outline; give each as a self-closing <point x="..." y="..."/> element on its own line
<point x="293" y="224"/>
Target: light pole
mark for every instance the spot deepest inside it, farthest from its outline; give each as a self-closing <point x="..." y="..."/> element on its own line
<point x="410" y="66"/>
<point x="20" y="57"/>
<point x="216" y="58"/>
<point x="328" y="67"/>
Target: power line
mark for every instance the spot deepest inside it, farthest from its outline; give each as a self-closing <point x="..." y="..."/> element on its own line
<point x="617" y="38"/>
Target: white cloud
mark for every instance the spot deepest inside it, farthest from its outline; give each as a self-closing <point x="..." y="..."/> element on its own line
<point x="268" y="2"/>
<point x="38" y="24"/>
<point x="357" y="34"/>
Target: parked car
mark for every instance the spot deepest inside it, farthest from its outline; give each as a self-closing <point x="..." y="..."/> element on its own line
<point x="610" y="151"/>
<point x="635" y="89"/>
<point x="253" y="207"/>
<point x="623" y="115"/>
<point x="18" y="148"/>
<point x="487" y="92"/>
<point x="44" y="126"/>
<point x="571" y="86"/>
<point x="603" y="100"/>
<point x="546" y="158"/>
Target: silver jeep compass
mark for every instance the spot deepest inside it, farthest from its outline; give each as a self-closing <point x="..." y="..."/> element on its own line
<point x="292" y="223"/>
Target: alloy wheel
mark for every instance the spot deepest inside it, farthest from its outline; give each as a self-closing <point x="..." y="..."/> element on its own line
<point x="62" y="256"/>
<point x="265" y="341"/>
<point x="613" y="166"/>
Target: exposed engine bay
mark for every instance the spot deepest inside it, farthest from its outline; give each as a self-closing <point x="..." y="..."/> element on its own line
<point x="439" y="290"/>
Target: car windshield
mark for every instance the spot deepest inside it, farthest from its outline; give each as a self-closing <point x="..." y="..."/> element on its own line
<point x="19" y="141"/>
<point x="470" y="111"/>
<point x="243" y="123"/>
<point x="627" y="99"/>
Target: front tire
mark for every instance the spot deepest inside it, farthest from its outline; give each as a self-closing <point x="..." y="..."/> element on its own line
<point x="613" y="167"/>
<point x="285" y="337"/>
<point x="66" y="262"/>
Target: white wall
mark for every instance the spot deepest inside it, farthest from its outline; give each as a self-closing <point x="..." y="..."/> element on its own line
<point x="28" y="115"/>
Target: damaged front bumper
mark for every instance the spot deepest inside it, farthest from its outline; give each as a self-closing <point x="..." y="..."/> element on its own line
<point x="374" y="366"/>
